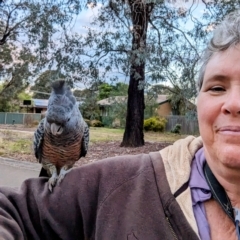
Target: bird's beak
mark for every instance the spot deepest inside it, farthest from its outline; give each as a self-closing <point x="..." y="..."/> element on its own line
<point x="56" y="129"/>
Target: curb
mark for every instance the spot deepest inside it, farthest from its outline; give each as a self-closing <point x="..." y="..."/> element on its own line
<point x="20" y="164"/>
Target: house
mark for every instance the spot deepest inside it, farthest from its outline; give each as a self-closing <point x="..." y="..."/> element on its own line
<point x="106" y="104"/>
<point x="34" y="106"/>
<point x="165" y="108"/>
<point x="164" y="105"/>
<point x="40" y="105"/>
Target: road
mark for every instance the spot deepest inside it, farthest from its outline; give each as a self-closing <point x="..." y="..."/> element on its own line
<point x="14" y="172"/>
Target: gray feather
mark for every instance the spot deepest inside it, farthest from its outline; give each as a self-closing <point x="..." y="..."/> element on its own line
<point x="37" y="142"/>
<point x="62" y="137"/>
<point x="85" y="141"/>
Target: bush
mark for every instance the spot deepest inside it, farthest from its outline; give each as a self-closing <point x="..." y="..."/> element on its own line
<point x="87" y="121"/>
<point x="107" y="121"/>
<point x="155" y="124"/>
<point x="96" y="123"/>
<point x="35" y="123"/>
<point x="176" y="129"/>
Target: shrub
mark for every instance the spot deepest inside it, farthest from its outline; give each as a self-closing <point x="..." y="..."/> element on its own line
<point x="35" y="123"/>
<point x="87" y="121"/>
<point x="176" y="129"/>
<point x="155" y="124"/>
<point x="96" y="123"/>
<point x="107" y="121"/>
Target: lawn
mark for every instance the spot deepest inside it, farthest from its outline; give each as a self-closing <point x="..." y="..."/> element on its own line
<point x="21" y="142"/>
<point x="109" y="134"/>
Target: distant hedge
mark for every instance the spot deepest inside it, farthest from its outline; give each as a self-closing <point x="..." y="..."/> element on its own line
<point x="155" y="124"/>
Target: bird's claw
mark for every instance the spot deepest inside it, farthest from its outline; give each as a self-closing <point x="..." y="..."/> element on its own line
<point x="52" y="182"/>
<point x="62" y="174"/>
<point x="57" y="178"/>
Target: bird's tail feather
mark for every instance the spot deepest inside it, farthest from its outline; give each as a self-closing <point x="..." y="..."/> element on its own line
<point x="43" y="173"/>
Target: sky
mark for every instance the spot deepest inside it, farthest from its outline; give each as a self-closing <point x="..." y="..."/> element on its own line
<point x="83" y="20"/>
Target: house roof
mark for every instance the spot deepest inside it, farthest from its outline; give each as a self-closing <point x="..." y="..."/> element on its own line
<point x="111" y="100"/>
<point x="43" y="103"/>
<point x="162" y="99"/>
<point x="120" y="99"/>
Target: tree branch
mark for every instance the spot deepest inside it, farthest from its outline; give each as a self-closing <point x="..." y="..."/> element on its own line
<point x="159" y="36"/>
<point x="171" y="25"/>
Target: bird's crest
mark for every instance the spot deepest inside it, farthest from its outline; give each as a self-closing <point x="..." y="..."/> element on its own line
<point x="59" y="87"/>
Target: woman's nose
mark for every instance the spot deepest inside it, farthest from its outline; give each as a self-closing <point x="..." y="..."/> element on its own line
<point x="232" y="103"/>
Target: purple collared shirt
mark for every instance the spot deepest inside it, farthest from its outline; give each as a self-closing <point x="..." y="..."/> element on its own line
<point x="200" y="192"/>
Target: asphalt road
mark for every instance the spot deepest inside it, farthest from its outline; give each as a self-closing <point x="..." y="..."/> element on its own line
<point x="14" y="172"/>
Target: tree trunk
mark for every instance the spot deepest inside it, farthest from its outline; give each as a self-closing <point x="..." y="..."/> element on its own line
<point x="133" y="135"/>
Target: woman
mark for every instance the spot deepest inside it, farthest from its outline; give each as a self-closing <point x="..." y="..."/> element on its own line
<point x="186" y="191"/>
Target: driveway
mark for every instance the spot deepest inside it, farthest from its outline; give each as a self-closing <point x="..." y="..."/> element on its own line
<point x="14" y="172"/>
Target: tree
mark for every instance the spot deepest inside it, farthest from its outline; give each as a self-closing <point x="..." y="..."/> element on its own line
<point x="41" y="89"/>
<point x="154" y="44"/>
<point x="120" y="89"/>
<point x="105" y="90"/>
<point x="133" y="64"/>
<point x="90" y="109"/>
<point x="140" y="15"/>
<point x="8" y="104"/>
<point x="29" y="32"/>
<point x="24" y="96"/>
<point x="88" y="98"/>
<point x="14" y="76"/>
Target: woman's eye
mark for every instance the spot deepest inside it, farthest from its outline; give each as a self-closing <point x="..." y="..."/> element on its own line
<point x="217" y="89"/>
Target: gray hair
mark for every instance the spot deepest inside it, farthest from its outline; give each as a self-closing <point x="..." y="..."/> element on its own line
<point x="226" y="35"/>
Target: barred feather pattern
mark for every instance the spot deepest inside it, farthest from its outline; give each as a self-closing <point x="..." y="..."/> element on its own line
<point x="62" y="137"/>
<point x="85" y="141"/>
<point x="63" y="151"/>
<point x="37" y="141"/>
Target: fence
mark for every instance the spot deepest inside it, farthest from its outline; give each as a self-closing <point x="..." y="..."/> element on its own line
<point x="19" y="118"/>
<point x="188" y="125"/>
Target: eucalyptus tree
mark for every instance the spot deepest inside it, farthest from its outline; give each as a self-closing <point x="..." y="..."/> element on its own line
<point x="29" y="33"/>
<point x="41" y="88"/>
<point x="144" y="41"/>
<point x="188" y="33"/>
<point x="96" y="56"/>
<point x="140" y="40"/>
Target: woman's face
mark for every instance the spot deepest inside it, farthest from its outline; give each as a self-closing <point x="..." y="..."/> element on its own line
<point x="218" y="107"/>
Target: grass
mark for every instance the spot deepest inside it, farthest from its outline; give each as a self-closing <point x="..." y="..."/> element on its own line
<point x="163" y="137"/>
<point x="21" y="142"/>
<point x="22" y="146"/>
<point x="15" y="142"/>
<point x="107" y="134"/>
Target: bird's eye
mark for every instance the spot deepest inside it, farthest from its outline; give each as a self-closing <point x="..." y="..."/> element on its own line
<point x="68" y="119"/>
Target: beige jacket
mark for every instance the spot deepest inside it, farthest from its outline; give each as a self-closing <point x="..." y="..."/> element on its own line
<point x="177" y="160"/>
